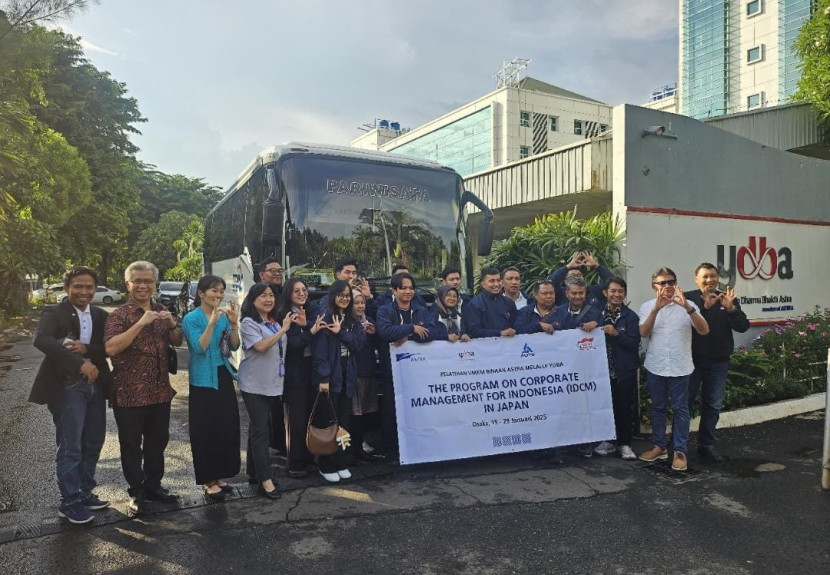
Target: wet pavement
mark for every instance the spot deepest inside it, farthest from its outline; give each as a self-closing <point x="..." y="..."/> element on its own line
<point x="760" y="512"/>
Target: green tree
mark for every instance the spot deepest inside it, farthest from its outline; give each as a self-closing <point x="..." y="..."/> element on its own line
<point x="24" y="13"/>
<point x="157" y="243"/>
<point x="549" y="242"/>
<point x="813" y="47"/>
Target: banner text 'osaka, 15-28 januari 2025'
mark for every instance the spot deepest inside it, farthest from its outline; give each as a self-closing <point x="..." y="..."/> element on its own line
<point x="499" y="395"/>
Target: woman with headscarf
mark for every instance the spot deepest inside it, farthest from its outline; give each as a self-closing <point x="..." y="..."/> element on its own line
<point x="445" y="313"/>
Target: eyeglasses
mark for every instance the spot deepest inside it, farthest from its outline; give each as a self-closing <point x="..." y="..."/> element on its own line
<point x="143" y="282"/>
<point x="275" y="271"/>
<point x="665" y="283"/>
<point x="344" y="295"/>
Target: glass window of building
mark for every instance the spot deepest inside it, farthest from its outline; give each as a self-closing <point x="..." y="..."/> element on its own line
<point x="524" y="152"/>
<point x="554" y="123"/>
<point x="465" y="145"/>
<point x="524" y="119"/>
<point x="705" y="66"/>
<point x="792" y="14"/>
<point x="755" y="54"/>
<point x="753" y="101"/>
<point x="753" y="8"/>
<point x="578" y="127"/>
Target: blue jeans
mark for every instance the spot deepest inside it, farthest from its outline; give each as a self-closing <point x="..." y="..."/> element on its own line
<point x="661" y="387"/>
<point x="80" y="416"/>
<point x="710" y="379"/>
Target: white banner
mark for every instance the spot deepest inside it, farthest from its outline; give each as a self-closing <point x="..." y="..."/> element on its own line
<point x="501" y="395"/>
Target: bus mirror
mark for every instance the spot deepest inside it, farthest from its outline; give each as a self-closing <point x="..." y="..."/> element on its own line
<point x="486" y="228"/>
<point x="272" y="223"/>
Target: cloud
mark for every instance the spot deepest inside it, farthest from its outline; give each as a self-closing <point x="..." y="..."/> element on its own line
<point x="90" y="47"/>
<point x="130" y="32"/>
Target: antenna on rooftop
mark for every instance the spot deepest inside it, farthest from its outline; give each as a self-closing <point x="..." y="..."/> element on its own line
<point x="510" y="72"/>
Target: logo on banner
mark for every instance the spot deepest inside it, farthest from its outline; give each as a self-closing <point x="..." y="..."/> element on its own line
<point x="586" y="343"/>
<point x="527" y="351"/>
<point x="469" y="354"/>
<point x="410" y="357"/>
<point x="755" y="260"/>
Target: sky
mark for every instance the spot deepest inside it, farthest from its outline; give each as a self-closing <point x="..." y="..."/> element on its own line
<point x="220" y="81"/>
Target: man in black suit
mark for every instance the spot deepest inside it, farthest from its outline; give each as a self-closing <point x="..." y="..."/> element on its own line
<point x="72" y="382"/>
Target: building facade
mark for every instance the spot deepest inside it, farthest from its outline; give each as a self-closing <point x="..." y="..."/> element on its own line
<point x="508" y="124"/>
<point x="738" y="55"/>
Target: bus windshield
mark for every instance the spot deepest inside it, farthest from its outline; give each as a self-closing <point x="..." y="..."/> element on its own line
<point x="379" y="214"/>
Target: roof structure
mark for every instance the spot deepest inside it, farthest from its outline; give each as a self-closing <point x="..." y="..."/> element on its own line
<point x="535" y="85"/>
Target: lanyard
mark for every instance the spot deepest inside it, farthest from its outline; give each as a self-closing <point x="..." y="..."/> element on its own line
<point x="273" y="329"/>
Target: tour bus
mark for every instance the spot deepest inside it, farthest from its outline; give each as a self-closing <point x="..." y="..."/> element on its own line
<point x="311" y="205"/>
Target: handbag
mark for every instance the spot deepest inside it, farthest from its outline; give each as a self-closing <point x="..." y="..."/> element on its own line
<point x="322" y="441"/>
<point x="172" y="359"/>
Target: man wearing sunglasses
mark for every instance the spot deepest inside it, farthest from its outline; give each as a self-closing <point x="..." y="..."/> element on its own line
<point x="668" y="320"/>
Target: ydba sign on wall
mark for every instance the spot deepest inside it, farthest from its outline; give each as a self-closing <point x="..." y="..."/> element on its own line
<point x="768" y="263"/>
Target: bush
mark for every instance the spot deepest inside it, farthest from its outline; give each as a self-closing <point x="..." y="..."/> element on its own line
<point x="548" y="243"/>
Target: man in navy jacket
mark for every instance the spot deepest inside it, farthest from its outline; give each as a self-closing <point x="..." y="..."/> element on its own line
<point x="622" y="339"/>
<point x="571" y="271"/>
<point x="398" y="322"/>
<point x="388" y="296"/>
<point x="577" y="313"/>
<point x="490" y="314"/>
<point x="536" y="317"/>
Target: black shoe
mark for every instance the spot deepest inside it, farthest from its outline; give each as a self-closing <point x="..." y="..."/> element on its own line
<point x="708" y="453"/>
<point x="296" y="473"/>
<point x="226" y="488"/>
<point x="272" y="495"/>
<point x="253" y="480"/>
<point x="161" y="495"/>
<point x="216" y="495"/>
<point x="135" y="506"/>
<point x="367" y="457"/>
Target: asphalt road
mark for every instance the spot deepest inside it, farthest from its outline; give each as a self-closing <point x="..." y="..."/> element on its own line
<point x="762" y="512"/>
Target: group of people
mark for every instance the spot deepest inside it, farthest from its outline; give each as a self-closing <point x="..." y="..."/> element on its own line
<point x="316" y="362"/>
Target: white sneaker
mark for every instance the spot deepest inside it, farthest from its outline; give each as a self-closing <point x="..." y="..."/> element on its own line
<point x="627" y="453"/>
<point x="344" y="474"/>
<point x="331" y="477"/>
<point x="605" y="448"/>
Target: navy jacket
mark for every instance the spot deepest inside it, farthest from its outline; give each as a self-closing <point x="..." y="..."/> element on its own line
<point x="528" y="320"/>
<point x="486" y="315"/>
<point x="593" y="294"/>
<point x="296" y="370"/>
<point x="562" y="318"/>
<point x="365" y="358"/>
<point x="625" y="347"/>
<point x="390" y="329"/>
<point x="326" y="358"/>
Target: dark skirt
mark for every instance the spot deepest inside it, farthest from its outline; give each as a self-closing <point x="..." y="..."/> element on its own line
<point x="214" y="430"/>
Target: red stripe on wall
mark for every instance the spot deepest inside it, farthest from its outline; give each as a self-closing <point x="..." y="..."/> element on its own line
<point x="766" y="322"/>
<point x="675" y="212"/>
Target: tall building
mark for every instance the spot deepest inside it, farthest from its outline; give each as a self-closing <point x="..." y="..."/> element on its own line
<point x="513" y="122"/>
<point x="738" y="55"/>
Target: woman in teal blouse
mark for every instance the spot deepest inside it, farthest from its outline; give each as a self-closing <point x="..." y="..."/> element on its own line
<point x="212" y="334"/>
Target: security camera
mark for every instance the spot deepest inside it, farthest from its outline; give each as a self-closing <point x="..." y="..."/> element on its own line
<point x="654" y="131"/>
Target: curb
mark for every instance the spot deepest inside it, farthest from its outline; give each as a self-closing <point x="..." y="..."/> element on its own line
<point x="761" y="413"/>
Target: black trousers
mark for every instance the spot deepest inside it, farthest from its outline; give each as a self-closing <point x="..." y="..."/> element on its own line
<point x="259" y="411"/>
<point x="143" y="433"/>
<point x="298" y="397"/>
<point x="276" y="427"/>
<point x="322" y="417"/>
<point x="622" y="400"/>
<point x="389" y="422"/>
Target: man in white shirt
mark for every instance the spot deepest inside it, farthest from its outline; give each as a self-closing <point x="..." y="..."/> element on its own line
<point x="512" y="281"/>
<point x="667" y="320"/>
